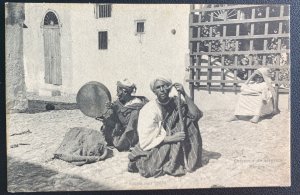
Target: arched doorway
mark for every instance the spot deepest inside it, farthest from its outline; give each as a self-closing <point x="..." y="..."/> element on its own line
<point x="51" y="33"/>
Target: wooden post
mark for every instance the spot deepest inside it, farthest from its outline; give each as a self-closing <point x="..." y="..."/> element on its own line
<point x="191" y="84"/>
<point x="191" y="76"/>
<point x="276" y="100"/>
<point x="237" y="33"/>
<point x="223" y="58"/>
<point x="209" y="69"/>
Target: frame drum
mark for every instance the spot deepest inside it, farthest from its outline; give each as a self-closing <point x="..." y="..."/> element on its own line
<point x="91" y="99"/>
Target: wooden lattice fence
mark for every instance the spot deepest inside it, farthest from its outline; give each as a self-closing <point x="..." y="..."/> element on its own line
<point x="228" y="42"/>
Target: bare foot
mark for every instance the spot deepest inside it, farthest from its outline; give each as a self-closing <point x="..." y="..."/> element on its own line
<point x="233" y="118"/>
<point x="255" y="119"/>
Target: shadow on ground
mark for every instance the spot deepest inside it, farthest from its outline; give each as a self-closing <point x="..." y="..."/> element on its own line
<point x="266" y="117"/>
<point x="37" y="106"/>
<point x="208" y="155"/>
<point x="29" y="177"/>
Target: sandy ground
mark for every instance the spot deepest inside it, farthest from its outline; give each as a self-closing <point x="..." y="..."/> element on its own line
<point x="235" y="154"/>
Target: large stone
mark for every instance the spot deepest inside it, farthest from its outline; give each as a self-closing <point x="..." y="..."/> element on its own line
<point x="16" y="100"/>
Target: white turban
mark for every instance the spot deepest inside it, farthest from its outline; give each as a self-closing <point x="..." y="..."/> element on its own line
<point x="167" y="81"/>
<point x="125" y="83"/>
<point x="266" y="74"/>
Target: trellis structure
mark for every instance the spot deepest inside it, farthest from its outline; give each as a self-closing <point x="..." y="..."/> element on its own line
<point x="228" y="42"/>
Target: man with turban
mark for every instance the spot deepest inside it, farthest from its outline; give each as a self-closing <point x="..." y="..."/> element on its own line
<point x="257" y="97"/>
<point x="120" y="127"/>
<point x="167" y="145"/>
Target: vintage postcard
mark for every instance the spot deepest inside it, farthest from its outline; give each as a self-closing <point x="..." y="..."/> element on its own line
<point x="157" y="96"/>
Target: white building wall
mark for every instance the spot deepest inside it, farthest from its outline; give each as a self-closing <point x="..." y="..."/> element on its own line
<point x="138" y="58"/>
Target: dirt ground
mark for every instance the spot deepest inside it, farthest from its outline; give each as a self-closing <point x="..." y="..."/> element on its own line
<point x="235" y="154"/>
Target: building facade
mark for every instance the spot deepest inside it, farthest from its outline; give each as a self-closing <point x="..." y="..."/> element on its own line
<point x="68" y="45"/>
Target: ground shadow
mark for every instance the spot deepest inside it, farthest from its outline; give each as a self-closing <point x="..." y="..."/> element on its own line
<point x="29" y="177"/>
<point x="248" y="118"/>
<point x="208" y="155"/>
<point x="37" y="106"/>
<point x="270" y="116"/>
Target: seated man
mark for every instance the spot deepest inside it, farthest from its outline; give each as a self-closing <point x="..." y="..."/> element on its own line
<point x="164" y="146"/>
<point x="120" y="127"/>
<point x="257" y="97"/>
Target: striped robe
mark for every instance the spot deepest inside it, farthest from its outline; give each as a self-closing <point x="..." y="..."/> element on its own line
<point x="169" y="158"/>
<point x="120" y="128"/>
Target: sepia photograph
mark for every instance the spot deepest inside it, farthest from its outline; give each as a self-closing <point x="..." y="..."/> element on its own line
<point x="104" y="96"/>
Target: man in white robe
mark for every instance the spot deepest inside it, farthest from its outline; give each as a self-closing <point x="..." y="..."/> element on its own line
<point x="257" y="96"/>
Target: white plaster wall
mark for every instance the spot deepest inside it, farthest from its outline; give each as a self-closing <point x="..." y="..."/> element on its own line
<point x="138" y="58"/>
<point x="34" y="47"/>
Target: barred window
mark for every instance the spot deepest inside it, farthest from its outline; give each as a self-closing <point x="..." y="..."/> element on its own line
<point x="140" y="26"/>
<point x="102" y="40"/>
<point x="103" y="10"/>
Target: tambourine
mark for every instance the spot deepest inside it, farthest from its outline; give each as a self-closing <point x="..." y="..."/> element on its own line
<point x="91" y="99"/>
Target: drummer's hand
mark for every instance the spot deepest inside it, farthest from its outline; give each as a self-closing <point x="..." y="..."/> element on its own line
<point x="108" y="105"/>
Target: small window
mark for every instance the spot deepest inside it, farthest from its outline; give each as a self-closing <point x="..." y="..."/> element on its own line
<point x="103" y="10"/>
<point x="102" y="39"/>
<point x="140" y="27"/>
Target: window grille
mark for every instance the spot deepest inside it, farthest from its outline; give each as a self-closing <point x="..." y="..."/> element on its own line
<point x="103" y="10"/>
<point x="102" y="39"/>
<point x="140" y="27"/>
